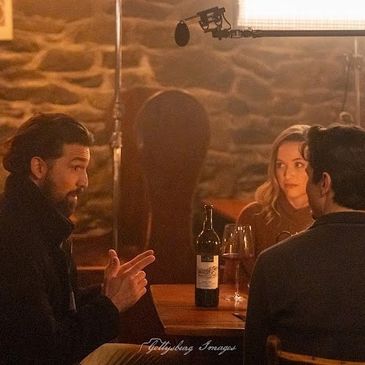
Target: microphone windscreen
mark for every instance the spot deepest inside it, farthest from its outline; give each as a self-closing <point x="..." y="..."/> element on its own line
<point x="182" y="34"/>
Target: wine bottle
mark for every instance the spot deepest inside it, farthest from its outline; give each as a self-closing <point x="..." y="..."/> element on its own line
<point x="207" y="263"/>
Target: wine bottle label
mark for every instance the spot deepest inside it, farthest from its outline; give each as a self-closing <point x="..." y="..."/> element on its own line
<point x="207" y="271"/>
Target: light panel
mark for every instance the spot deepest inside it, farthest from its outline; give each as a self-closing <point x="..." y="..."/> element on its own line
<point x="301" y="14"/>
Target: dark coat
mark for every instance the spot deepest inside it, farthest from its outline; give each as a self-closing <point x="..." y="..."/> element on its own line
<point x="37" y="322"/>
<point x="310" y="291"/>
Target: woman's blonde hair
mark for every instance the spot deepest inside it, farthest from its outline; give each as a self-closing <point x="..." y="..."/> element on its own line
<point x="268" y="193"/>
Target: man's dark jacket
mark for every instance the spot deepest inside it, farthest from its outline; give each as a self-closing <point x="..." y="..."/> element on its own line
<point x="310" y="291"/>
<point x="38" y="322"/>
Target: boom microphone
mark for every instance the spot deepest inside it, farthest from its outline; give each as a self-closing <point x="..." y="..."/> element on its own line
<point x="182" y="34"/>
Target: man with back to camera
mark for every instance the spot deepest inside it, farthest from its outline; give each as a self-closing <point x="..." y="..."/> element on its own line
<point x="44" y="318"/>
<point x="309" y="290"/>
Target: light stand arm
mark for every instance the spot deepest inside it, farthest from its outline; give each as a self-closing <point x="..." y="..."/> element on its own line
<point x="255" y="33"/>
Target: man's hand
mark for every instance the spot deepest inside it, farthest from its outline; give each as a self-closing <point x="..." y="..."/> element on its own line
<point x="125" y="284"/>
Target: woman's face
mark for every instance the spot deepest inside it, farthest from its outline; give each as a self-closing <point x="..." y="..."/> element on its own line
<point x="290" y="173"/>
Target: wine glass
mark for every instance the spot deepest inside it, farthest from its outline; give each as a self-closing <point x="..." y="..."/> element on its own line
<point x="237" y="246"/>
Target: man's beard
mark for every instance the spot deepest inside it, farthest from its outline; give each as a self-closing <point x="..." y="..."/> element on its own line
<point x="65" y="206"/>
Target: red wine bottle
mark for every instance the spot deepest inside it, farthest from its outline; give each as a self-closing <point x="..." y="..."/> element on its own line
<point x="207" y="263"/>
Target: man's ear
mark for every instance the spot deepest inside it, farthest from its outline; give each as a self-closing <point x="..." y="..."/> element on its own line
<point x="326" y="184"/>
<point x="38" y="169"/>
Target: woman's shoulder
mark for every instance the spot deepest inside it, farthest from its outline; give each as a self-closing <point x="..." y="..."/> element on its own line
<point x="250" y="212"/>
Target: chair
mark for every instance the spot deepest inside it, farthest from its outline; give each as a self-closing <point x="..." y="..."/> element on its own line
<point x="277" y="356"/>
<point x="172" y="131"/>
<point x="172" y="136"/>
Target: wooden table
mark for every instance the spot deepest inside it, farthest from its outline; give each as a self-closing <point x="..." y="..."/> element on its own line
<point x="179" y="315"/>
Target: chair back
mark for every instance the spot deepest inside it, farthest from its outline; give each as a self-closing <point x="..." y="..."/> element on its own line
<point x="172" y="137"/>
<point x="277" y="356"/>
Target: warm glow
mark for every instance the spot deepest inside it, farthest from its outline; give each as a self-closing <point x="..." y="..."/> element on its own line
<point x="302" y="14"/>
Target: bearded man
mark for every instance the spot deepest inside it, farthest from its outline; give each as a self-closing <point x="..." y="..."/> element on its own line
<point x="44" y="317"/>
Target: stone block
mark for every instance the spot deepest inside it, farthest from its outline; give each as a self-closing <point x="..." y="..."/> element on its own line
<point x="32" y="25"/>
<point x="215" y="102"/>
<point x="151" y="34"/>
<point x="86" y="114"/>
<point x="257" y="132"/>
<point x="250" y="135"/>
<point x="220" y="133"/>
<point x="249" y="184"/>
<point x="318" y="114"/>
<point x="305" y="74"/>
<point x="13" y="60"/>
<point x="253" y="88"/>
<point x="279" y="123"/>
<point x="131" y="57"/>
<point x="6" y="111"/>
<point x="267" y="52"/>
<point x="214" y="162"/>
<point x="136" y="78"/>
<point x="109" y="59"/>
<point x="101" y="100"/>
<point x="284" y="105"/>
<point x="65" y="9"/>
<point x="193" y="69"/>
<point x="93" y="214"/>
<point x="237" y="106"/>
<point x="146" y="9"/>
<point x="252" y="64"/>
<point x="16" y="73"/>
<point x="40" y="94"/>
<point x="21" y="43"/>
<point x="89" y="81"/>
<point x="320" y="95"/>
<point x="101" y="160"/>
<point x="62" y="60"/>
<point x="100" y="29"/>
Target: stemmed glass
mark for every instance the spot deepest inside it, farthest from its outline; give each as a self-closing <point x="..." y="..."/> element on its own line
<point x="237" y="246"/>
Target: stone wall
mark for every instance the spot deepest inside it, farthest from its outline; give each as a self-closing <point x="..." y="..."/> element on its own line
<point x="62" y="59"/>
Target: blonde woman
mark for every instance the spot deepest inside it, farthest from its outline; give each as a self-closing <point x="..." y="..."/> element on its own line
<point x="281" y="207"/>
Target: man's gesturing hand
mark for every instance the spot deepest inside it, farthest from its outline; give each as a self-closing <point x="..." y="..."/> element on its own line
<point x="125" y="284"/>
